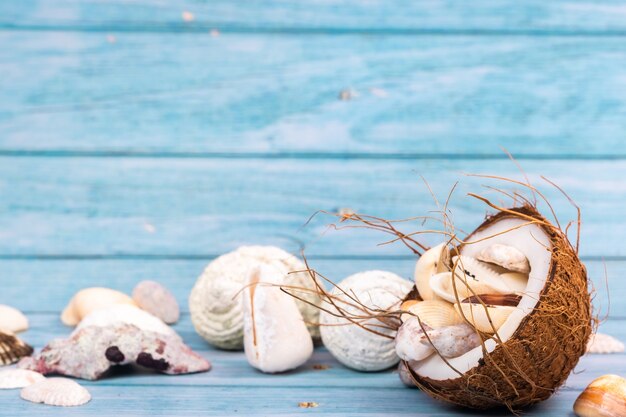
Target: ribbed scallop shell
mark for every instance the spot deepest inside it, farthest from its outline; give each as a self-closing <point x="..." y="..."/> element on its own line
<point x="603" y="343"/>
<point x="12" y="320"/>
<point x="12" y="349"/>
<point x="19" y="378"/>
<point x="434" y="313"/>
<point x="60" y="392"/>
<point x="350" y="344"/>
<point x="215" y="301"/>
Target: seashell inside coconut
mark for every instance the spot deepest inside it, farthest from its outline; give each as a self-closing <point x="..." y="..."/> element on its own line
<point x="432" y="262"/>
<point x="276" y="338"/>
<point x="508" y="257"/>
<point x="91" y="299"/>
<point x="60" y="392"/>
<point x="351" y="345"/>
<point x="12" y="349"/>
<point x="550" y="326"/>
<point x="434" y="313"/>
<point x="157" y="300"/>
<point x="12" y="320"/>
<point x="127" y="314"/>
<point x="215" y="302"/>
<point x="19" y="378"/>
<point x="489" y="315"/>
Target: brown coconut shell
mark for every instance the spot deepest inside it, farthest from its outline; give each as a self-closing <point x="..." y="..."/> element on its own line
<point x="545" y="348"/>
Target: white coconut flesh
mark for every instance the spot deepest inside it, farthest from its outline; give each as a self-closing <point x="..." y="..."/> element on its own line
<point x="536" y="246"/>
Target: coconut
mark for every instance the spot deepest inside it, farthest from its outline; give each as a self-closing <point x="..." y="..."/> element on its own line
<point x="540" y="342"/>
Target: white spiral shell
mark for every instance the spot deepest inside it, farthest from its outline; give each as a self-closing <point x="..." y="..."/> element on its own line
<point x="351" y="345"/>
<point x="215" y="302"/>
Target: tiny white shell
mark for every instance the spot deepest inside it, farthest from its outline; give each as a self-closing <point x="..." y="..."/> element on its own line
<point x="12" y="320"/>
<point x="352" y="345"/>
<point x="123" y="313"/>
<point x="275" y="336"/>
<point x="215" y="302"/>
<point x="507" y="257"/>
<point x="60" y="392"/>
<point x="154" y="298"/>
<point x="19" y="378"/>
<point x="603" y="343"/>
<point x="91" y="299"/>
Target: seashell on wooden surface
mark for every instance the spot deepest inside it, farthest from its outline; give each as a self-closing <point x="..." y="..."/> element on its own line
<point x="215" y="302"/>
<point x="604" y="397"/>
<point x="12" y="320"/>
<point x="18" y="378"/>
<point x="89" y="300"/>
<point x="60" y="392"/>
<point x="157" y="300"/>
<point x="12" y="349"/>
<point x="603" y="343"/>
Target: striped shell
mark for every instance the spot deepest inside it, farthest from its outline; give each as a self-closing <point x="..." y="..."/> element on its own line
<point x="19" y="378"/>
<point x="12" y="349"/>
<point x="60" y="392"/>
<point x="215" y="302"/>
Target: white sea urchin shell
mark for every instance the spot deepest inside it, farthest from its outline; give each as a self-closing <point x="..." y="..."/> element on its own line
<point x="352" y="345"/>
<point x="19" y="378"/>
<point x="60" y="392"/>
<point x="215" y="302"/>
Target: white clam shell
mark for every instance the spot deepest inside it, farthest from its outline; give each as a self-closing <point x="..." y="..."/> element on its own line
<point x="434" y="313"/>
<point x="603" y="343"/>
<point x="276" y="338"/>
<point x="215" y="301"/>
<point x="430" y="263"/>
<point x="19" y="378"/>
<point x="508" y="257"/>
<point x="351" y="345"/>
<point x="12" y="320"/>
<point x="485" y="318"/>
<point x="128" y="314"/>
<point x="60" y="392"/>
<point x="89" y="300"/>
<point x="157" y="300"/>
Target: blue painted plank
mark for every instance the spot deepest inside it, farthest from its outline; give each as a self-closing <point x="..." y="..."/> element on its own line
<point x="60" y="279"/>
<point x="535" y="16"/>
<point x="271" y="95"/>
<point x="200" y="207"/>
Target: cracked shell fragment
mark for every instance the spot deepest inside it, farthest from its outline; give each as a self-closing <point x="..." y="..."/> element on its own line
<point x="216" y="304"/>
<point x="19" y="378"/>
<point x="60" y="392"/>
<point x="89" y="352"/>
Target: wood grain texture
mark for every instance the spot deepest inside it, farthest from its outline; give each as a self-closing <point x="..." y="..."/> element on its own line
<point x="277" y="95"/>
<point x="198" y="207"/>
<point x="534" y="17"/>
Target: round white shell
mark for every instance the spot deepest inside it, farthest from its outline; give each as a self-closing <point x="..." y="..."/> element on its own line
<point x="123" y="313"/>
<point x="12" y="320"/>
<point x="353" y="346"/>
<point x="19" y="378"/>
<point x="154" y="298"/>
<point x="60" y="392"/>
<point x="215" y="302"/>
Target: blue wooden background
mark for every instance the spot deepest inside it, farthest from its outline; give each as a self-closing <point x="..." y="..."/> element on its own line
<point x="137" y="145"/>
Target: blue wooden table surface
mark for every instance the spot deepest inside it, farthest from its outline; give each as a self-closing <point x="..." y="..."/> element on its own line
<point x="139" y="139"/>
